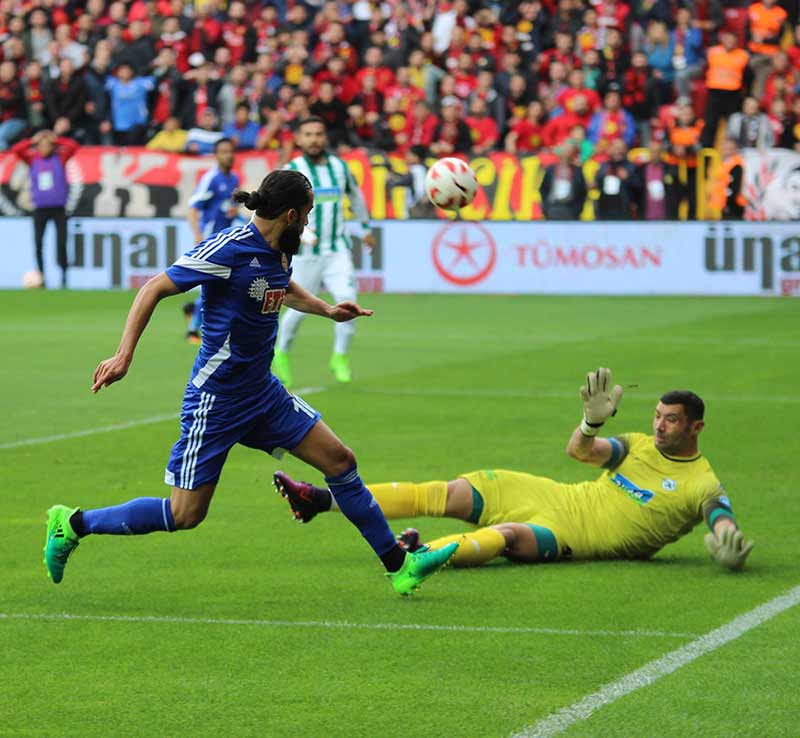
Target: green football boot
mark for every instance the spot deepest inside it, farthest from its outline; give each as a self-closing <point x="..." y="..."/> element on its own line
<point x="340" y="366"/>
<point x="417" y="567"/>
<point x="61" y="541"/>
<point x="282" y="368"/>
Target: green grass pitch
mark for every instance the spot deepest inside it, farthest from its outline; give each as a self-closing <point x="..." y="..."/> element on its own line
<point x="445" y="384"/>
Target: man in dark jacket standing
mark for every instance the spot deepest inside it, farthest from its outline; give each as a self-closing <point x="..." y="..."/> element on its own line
<point x="65" y="99"/>
<point x="47" y="155"/>
<point x="563" y="188"/>
<point x="619" y="184"/>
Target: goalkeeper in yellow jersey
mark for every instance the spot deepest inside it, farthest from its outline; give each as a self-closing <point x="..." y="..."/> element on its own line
<point x="654" y="490"/>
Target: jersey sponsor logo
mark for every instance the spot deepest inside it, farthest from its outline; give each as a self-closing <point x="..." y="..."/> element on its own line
<point x="273" y="299"/>
<point x="258" y="288"/>
<point x="638" y="495"/>
<point x="327" y="194"/>
<point x="669" y="485"/>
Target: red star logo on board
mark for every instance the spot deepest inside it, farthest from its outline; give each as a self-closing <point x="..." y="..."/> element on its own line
<point x="463" y="249"/>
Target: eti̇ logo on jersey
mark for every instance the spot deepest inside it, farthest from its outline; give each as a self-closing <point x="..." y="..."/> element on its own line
<point x="464" y="253"/>
<point x="271" y="300"/>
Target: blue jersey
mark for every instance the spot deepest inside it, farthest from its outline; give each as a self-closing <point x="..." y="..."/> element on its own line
<point x="244" y="282"/>
<point x="213" y="198"/>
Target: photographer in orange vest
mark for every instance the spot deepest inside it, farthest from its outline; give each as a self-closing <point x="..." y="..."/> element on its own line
<point x="725" y="80"/>
<point x="726" y="192"/>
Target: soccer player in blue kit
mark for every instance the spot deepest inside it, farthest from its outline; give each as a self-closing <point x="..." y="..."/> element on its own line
<point x="211" y="209"/>
<point x="232" y="397"/>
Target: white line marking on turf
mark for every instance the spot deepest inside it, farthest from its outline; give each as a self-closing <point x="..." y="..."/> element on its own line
<point x="560" y="721"/>
<point x="556" y="395"/>
<point x="117" y="426"/>
<point x="345" y="625"/>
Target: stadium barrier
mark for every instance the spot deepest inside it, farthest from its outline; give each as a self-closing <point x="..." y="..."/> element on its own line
<point x="140" y="183"/>
<point x="656" y="258"/>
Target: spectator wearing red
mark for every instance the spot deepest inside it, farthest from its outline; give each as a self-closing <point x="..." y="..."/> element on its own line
<point x="404" y="91"/>
<point x="482" y="127"/>
<point x="527" y="134"/>
<point x="12" y="105"/>
<point x="452" y="135"/>
<point x="344" y="83"/>
<point x="370" y="98"/>
<point x="781" y="69"/>
<point x="206" y="32"/>
<point x="488" y="31"/>
<point x="239" y="36"/>
<point x="793" y="52"/>
<point x="612" y="14"/>
<point x="47" y="156"/>
<point x="374" y="67"/>
<point x="173" y="37"/>
<point x="563" y="52"/>
<point x="200" y="94"/>
<point x="639" y="95"/>
<point x="466" y="80"/>
<point x="577" y="89"/>
<point x="266" y="27"/>
<point x="766" y="21"/>
<point x="554" y="85"/>
<point x="421" y="125"/>
<point x="778" y="114"/>
<point x="612" y="122"/>
<point x="333" y="42"/>
<point x="559" y="127"/>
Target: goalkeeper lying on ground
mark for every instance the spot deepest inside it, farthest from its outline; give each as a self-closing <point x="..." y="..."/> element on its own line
<point x="654" y="490"/>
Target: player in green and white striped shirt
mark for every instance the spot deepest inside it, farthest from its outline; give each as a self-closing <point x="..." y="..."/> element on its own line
<point x="325" y="256"/>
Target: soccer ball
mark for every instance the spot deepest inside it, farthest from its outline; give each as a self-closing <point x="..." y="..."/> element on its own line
<point x="32" y="279"/>
<point x="451" y="184"/>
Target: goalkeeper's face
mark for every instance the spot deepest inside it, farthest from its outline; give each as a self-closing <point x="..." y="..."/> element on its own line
<point x="674" y="433"/>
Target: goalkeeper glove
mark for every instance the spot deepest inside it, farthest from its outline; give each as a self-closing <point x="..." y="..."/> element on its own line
<point x="600" y="400"/>
<point x="729" y="549"/>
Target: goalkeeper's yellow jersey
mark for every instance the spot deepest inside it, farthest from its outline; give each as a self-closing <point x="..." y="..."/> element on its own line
<point x="644" y="503"/>
<point x="633" y="509"/>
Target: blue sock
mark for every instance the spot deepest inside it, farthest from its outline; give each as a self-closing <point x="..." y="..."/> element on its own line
<point x="360" y="508"/>
<point x="136" y="517"/>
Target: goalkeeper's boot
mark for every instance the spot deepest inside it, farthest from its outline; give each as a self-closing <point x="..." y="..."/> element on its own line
<point x="61" y="541"/>
<point x="417" y="567"/>
<point x="340" y="366"/>
<point x="409" y="541"/>
<point x="282" y="368"/>
<point x="194" y="337"/>
<point x="305" y="499"/>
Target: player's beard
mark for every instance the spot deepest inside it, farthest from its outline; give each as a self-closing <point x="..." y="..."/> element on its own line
<point x="289" y="240"/>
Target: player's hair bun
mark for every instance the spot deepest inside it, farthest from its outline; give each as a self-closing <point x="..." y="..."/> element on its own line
<point x="252" y="200"/>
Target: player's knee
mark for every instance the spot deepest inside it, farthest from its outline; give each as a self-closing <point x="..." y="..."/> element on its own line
<point x="187" y="517"/>
<point x="341" y="460"/>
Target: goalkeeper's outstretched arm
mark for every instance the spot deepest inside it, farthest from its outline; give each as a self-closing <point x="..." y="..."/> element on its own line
<point x="600" y="399"/>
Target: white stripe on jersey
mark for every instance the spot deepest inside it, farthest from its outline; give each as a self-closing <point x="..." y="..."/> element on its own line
<point x="213" y="363"/>
<point x="218" y="241"/>
<point x="203" y="191"/>
<point x="207" y="267"/>
<point x="194" y="439"/>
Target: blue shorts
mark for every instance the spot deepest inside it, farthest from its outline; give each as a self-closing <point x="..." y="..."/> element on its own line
<point x="274" y="421"/>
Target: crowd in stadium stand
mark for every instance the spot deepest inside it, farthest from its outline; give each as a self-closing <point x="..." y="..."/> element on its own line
<point x="440" y="78"/>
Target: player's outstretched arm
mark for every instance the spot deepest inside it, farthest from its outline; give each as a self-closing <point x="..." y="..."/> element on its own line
<point x="113" y="369"/>
<point x="600" y="399"/>
<point x="726" y="544"/>
<point x="301" y="299"/>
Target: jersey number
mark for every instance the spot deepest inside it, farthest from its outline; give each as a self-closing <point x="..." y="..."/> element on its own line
<point x="273" y="299"/>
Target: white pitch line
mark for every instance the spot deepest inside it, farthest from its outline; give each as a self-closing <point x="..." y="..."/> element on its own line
<point x="117" y="426"/>
<point x="345" y="625"/>
<point x="560" y="721"/>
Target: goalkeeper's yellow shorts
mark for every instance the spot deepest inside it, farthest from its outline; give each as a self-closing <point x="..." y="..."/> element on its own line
<point x="514" y="497"/>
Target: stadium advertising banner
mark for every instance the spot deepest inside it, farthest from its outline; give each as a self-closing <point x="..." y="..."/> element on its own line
<point x="593" y="258"/>
<point x="772" y="184"/>
<point x="463" y="257"/>
<point x="140" y="183"/>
